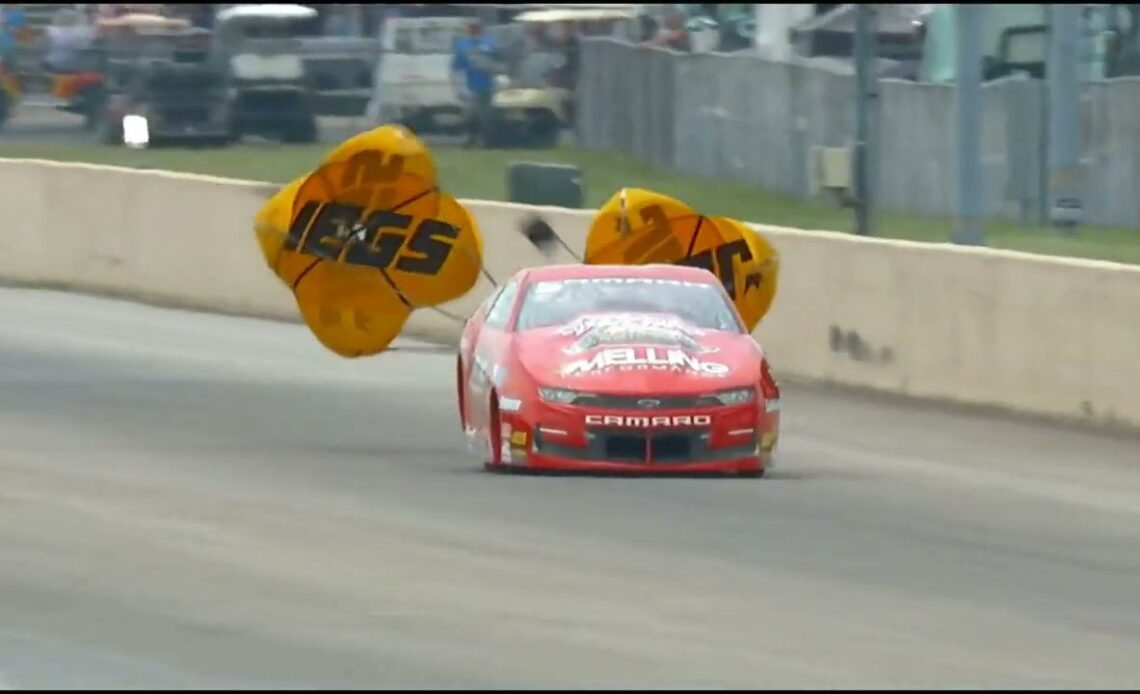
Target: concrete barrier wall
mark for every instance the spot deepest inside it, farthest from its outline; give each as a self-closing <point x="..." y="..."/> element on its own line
<point x="1036" y="334"/>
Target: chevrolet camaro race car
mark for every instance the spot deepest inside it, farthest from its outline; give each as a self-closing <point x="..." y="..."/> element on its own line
<point x="638" y="359"/>
<point x="616" y="368"/>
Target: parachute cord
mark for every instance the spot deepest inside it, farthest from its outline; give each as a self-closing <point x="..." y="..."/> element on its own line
<point x="696" y="233"/>
<point x="446" y="314"/>
<point x="568" y="249"/>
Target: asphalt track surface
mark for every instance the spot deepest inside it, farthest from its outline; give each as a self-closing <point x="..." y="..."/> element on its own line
<point x="192" y="500"/>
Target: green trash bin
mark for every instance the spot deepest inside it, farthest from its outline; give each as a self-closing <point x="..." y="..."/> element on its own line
<point x="556" y="185"/>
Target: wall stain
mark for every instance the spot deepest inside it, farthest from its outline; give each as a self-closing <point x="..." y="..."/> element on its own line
<point x="852" y="344"/>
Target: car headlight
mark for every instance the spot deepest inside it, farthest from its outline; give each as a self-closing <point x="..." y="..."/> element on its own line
<point x="737" y="396"/>
<point x="558" y="395"/>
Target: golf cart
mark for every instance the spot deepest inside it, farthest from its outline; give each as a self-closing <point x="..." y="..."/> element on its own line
<point x="536" y="101"/>
<point x="83" y="89"/>
<point x="271" y="94"/>
<point x="168" y="102"/>
<point x="413" y="83"/>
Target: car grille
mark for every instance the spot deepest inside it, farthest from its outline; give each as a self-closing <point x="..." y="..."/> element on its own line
<point x="644" y="402"/>
<point x="645" y="446"/>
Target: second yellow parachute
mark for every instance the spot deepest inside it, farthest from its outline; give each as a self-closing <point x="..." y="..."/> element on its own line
<point x="638" y="227"/>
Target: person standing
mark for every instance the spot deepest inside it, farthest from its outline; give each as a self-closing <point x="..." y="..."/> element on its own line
<point x="12" y="28"/>
<point x="475" y="58"/>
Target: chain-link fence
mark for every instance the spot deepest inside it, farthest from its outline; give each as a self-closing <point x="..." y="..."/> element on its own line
<point x="756" y="121"/>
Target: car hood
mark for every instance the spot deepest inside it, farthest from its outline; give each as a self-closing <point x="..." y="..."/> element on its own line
<point x="638" y="353"/>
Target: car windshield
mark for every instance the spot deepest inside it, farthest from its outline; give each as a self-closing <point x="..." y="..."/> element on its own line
<point x="557" y="302"/>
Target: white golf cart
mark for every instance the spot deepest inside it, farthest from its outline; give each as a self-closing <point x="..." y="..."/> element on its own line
<point x="270" y="92"/>
<point x="413" y="84"/>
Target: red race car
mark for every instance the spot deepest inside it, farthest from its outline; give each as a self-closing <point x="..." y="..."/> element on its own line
<point x="616" y="368"/>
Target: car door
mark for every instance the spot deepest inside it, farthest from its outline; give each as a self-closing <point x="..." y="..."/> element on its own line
<point x="488" y="352"/>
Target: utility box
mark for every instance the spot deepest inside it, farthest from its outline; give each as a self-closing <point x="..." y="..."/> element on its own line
<point x="556" y="185"/>
<point x="830" y="173"/>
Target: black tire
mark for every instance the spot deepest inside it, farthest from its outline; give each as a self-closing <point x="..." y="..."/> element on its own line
<point x="5" y="108"/>
<point x="92" y="103"/>
<point x="302" y="133"/>
<point x="496" y="135"/>
<point x="545" y="131"/>
<point x="494" y="437"/>
<point x="110" y="132"/>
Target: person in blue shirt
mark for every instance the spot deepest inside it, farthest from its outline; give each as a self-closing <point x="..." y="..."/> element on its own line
<point x="13" y="18"/>
<point x="11" y="21"/>
<point x="475" y="57"/>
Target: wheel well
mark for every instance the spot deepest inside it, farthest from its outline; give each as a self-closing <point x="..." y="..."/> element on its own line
<point x="494" y="432"/>
<point x="493" y="408"/>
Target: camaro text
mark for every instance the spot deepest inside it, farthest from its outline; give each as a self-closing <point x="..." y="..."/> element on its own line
<point x="700" y="420"/>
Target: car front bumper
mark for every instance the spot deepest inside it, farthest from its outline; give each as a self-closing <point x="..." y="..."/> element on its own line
<point x="733" y="440"/>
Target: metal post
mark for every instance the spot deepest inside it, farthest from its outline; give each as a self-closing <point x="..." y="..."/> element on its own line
<point x="968" y="121"/>
<point x="866" y="106"/>
<point x="1064" y="117"/>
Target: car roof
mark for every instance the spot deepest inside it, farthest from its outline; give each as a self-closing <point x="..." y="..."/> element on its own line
<point x="653" y="271"/>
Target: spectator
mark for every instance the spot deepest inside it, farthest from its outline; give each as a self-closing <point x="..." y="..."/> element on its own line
<point x="7" y="40"/>
<point x="646" y="28"/>
<point x="475" y="57"/>
<point x="11" y="29"/>
<point x="66" y="37"/>
<point x="202" y="17"/>
<point x="342" y="22"/>
<point x="675" y="34"/>
<point x="13" y="18"/>
<point x="108" y="11"/>
<point x="571" y="45"/>
<point x="387" y="14"/>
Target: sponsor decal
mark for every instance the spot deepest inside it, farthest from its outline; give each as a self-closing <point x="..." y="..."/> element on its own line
<point x="518" y="438"/>
<point x="771" y="406"/>
<point x="636" y="421"/>
<point x="505" y="444"/>
<point x="633" y="280"/>
<point x="584" y="324"/>
<point x="666" y="336"/>
<point x="644" y="359"/>
<point x="509" y="405"/>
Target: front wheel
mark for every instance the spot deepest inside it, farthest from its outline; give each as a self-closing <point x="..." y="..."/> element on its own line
<point x="494" y="462"/>
<point x="91" y="103"/>
<point x="302" y="133"/>
<point x="545" y="131"/>
<point x="110" y="132"/>
<point x="460" y="394"/>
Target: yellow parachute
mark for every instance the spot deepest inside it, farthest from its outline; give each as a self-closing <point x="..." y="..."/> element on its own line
<point x="638" y="227"/>
<point x="367" y="238"/>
